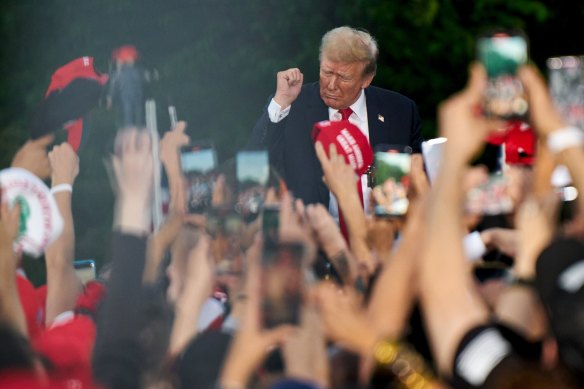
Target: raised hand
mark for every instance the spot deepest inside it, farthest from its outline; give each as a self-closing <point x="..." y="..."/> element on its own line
<point x="64" y="164"/>
<point x="543" y="114"/>
<point x="133" y="168"/>
<point x="33" y="157"/>
<point x="288" y="85"/>
<point x="170" y="145"/>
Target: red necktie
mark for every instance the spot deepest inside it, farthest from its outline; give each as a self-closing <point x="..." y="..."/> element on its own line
<point x="345" y="114"/>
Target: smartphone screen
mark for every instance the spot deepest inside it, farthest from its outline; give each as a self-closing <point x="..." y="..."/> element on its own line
<point x="282" y="284"/>
<point x="271" y="224"/>
<point x="490" y="197"/>
<point x="252" y="171"/>
<point x="502" y="53"/>
<point x="392" y="180"/>
<point x="225" y="228"/>
<point x="566" y="82"/>
<point x="85" y="269"/>
<point x="198" y="163"/>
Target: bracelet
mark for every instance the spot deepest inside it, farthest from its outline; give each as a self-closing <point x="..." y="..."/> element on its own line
<point x="512" y="280"/>
<point x="62" y="188"/>
<point x="564" y="138"/>
<point x="406" y="364"/>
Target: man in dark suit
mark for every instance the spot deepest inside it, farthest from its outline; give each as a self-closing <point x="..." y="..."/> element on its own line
<point x="348" y="63"/>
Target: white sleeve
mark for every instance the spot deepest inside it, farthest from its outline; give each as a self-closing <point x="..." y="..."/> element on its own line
<point x="276" y="113"/>
<point x="474" y="247"/>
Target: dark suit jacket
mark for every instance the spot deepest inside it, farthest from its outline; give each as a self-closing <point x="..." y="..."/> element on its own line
<point x="290" y="143"/>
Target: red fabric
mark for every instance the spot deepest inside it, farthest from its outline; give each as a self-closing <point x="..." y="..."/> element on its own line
<point x="41" y="295"/>
<point x="351" y="143"/>
<point x="520" y="143"/>
<point x="69" y="347"/>
<point x="92" y="295"/>
<point x="26" y="379"/>
<point x="78" y="68"/>
<point x="33" y="309"/>
<point x="125" y="53"/>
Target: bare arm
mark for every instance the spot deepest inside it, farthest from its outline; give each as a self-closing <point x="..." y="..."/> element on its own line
<point x="450" y="305"/>
<point x="190" y="301"/>
<point x="170" y="146"/>
<point x="10" y="308"/>
<point x="342" y="181"/>
<point x="63" y="285"/>
<point x="396" y="286"/>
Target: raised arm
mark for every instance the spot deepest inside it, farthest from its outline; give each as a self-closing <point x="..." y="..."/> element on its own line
<point x="342" y="181"/>
<point x="63" y="285"/>
<point x="10" y="308"/>
<point x="451" y="306"/>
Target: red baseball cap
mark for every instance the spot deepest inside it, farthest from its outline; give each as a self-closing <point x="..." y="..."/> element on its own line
<point x="351" y="143"/>
<point x="74" y="91"/>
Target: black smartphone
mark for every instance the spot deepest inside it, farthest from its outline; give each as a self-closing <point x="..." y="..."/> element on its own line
<point x="252" y="171"/>
<point x="566" y="82"/>
<point x="502" y="52"/>
<point x="492" y="271"/>
<point x="282" y="284"/>
<point x="225" y="227"/>
<point x="392" y="181"/>
<point x="198" y="164"/>
<point x="270" y="224"/>
<point x="85" y="269"/>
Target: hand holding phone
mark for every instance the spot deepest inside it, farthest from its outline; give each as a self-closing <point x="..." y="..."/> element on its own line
<point x="85" y="269"/>
<point x="566" y="81"/>
<point x="282" y="284"/>
<point x="392" y="181"/>
<point x="502" y="53"/>
<point x="198" y="161"/>
<point x="252" y="173"/>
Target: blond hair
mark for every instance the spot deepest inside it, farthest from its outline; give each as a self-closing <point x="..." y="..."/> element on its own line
<point x="348" y="44"/>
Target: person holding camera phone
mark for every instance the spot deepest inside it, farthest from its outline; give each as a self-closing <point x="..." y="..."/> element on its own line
<point x="347" y="67"/>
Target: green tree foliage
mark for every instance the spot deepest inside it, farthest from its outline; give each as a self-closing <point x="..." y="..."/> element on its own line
<point x="217" y="61"/>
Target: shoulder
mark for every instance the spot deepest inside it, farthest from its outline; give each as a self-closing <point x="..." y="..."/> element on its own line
<point x="388" y="96"/>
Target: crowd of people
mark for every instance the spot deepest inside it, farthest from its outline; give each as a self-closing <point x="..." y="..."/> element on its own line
<point x="383" y="302"/>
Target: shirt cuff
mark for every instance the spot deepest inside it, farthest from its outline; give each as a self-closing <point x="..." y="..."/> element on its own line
<point x="276" y="113"/>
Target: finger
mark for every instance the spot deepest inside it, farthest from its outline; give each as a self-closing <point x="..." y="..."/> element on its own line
<point x="332" y="151"/>
<point x="477" y="80"/>
<point x="143" y="143"/>
<point x="116" y="165"/>
<point x="180" y="126"/>
<point x="321" y="154"/>
<point x="532" y="81"/>
<point x="14" y="213"/>
<point x="300" y="209"/>
<point x="43" y="141"/>
<point x="195" y="219"/>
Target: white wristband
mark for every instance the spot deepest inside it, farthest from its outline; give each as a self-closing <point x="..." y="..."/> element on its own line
<point x="62" y="188"/>
<point x="564" y="138"/>
<point x="474" y="247"/>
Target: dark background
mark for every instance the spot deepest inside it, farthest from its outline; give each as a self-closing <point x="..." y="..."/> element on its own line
<point x="217" y="61"/>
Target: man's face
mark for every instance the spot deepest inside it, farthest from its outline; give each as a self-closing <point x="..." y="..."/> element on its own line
<point x="341" y="82"/>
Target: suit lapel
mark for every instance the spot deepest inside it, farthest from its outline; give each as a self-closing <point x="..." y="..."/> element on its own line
<point x="317" y="111"/>
<point x="374" y="118"/>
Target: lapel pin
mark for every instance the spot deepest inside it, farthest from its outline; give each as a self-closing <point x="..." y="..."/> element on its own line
<point x="381" y="118"/>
